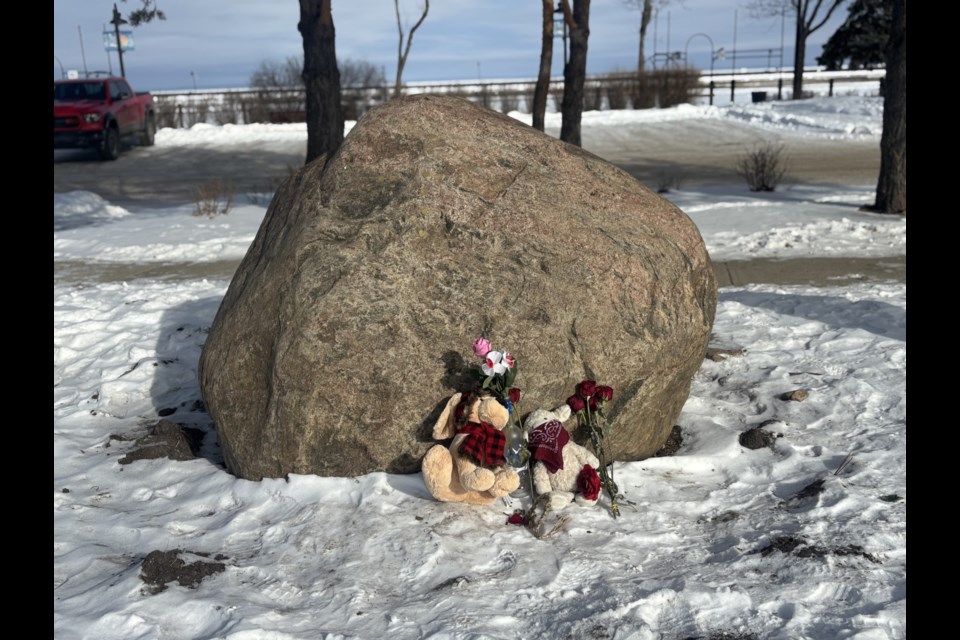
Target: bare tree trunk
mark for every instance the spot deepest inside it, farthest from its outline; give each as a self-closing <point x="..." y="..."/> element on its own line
<point x="892" y="185"/>
<point x="401" y="52"/>
<point x="811" y="16"/>
<point x="542" y="89"/>
<point x="799" y="53"/>
<point x="321" y="77"/>
<point x="644" y="23"/>
<point x="575" y="70"/>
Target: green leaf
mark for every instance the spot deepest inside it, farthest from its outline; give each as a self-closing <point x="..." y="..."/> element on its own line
<point x="509" y="377"/>
<point x="487" y="381"/>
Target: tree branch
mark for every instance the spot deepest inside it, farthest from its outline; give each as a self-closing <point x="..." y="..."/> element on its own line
<point x="401" y="52"/>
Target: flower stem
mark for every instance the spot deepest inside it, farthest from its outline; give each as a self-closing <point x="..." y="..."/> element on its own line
<point x="606" y="475"/>
<point x="530" y="489"/>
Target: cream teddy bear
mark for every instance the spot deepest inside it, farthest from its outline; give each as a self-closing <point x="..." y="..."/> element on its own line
<point x="473" y="468"/>
<point x="559" y="461"/>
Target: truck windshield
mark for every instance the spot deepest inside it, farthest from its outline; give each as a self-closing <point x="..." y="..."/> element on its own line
<point x="78" y="91"/>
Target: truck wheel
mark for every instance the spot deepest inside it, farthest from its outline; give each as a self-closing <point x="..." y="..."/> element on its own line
<point x="148" y="133"/>
<point x="111" y="144"/>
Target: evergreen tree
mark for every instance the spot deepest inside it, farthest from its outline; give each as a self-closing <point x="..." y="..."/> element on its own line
<point x="861" y="38"/>
<point x="146" y="13"/>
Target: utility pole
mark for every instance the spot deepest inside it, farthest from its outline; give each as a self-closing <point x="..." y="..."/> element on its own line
<point x="82" y="53"/>
<point x="116" y="22"/>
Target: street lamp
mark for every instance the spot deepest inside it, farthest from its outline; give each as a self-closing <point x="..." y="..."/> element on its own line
<point x="562" y="19"/>
<point x="714" y="54"/>
<point x="63" y="74"/>
<point x="116" y="22"/>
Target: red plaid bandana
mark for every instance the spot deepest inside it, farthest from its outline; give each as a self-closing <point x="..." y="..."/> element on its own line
<point x="547" y="441"/>
<point x="483" y="444"/>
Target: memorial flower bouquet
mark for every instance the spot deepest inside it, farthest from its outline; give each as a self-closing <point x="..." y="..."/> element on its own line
<point x="496" y="374"/>
<point x="498" y="370"/>
<point x="588" y="403"/>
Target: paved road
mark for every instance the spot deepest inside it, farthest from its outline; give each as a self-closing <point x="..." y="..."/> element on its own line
<point x="145" y="176"/>
<point x="704" y="152"/>
<point x="687" y="153"/>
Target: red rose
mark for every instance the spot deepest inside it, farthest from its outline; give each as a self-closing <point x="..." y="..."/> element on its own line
<point x="586" y="389"/>
<point x="575" y="403"/>
<point x="594" y="403"/>
<point x="604" y="392"/>
<point x="588" y="482"/>
<point x="516" y="518"/>
<point x="514" y="395"/>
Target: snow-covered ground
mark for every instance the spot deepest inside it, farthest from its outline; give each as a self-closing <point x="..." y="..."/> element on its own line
<point x="803" y="539"/>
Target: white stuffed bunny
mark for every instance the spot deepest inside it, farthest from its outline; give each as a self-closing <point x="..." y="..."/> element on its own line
<point x="559" y="461"/>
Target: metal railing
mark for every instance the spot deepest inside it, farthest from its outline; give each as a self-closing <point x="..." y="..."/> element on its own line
<point x="665" y="88"/>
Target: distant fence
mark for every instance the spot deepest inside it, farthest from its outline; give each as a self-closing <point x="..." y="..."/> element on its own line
<point x="665" y="88"/>
<point x="247" y="106"/>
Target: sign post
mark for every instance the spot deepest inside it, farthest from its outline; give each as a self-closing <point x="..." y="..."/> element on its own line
<point x="116" y="22"/>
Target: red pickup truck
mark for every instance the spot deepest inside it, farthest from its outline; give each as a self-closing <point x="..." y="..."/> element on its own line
<point x="99" y="113"/>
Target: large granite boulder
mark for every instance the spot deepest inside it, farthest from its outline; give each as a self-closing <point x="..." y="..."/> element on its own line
<point x="350" y="320"/>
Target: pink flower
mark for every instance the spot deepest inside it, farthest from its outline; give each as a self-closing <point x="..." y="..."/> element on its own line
<point x="508" y="360"/>
<point x="586" y="389"/>
<point x="481" y="347"/>
<point x="575" y="403"/>
<point x="588" y="482"/>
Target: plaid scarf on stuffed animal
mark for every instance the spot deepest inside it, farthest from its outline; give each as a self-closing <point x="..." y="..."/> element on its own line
<point x="483" y="444"/>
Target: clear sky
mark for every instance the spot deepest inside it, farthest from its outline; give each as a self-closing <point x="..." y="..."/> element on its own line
<point x="218" y="43"/>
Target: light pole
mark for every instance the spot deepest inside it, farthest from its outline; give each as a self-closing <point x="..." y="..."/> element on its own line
<point x="82" y="52"/>
<point x="715" y="54"/>
<point x="194" y="77"/>
<point x="712" y="52"/>
<point x="562" y="19"/>
<point x="63" y="74"/>
<point x="116" y="22"/>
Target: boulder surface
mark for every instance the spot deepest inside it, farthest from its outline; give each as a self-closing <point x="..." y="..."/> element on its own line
<point x="350" y="319"/>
